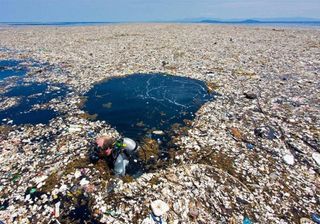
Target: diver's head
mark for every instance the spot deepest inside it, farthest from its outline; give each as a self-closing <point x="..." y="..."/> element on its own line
<point x="105" y="143"/>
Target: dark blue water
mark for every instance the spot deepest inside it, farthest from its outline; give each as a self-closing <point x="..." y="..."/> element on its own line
<point x="9" y="68"/>
<point x="9" y="63"/>
<point x="55" y="23"/>
<point x="29" y="95"/>
<point x="244" y="22"/>
<point x="137" y="104"/>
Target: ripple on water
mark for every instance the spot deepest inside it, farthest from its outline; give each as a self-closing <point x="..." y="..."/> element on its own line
<point x="137" y="104"/>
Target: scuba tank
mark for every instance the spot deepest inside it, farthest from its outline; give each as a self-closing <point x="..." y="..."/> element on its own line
<point x="128" y="145"/>
<point x="123" y="149"/>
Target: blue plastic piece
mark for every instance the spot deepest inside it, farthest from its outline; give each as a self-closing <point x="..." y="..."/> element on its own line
<point x="250" y="146"/>
<point x="91" y="133"/>
<point x="156" y="219"/>
<point x="246" y="220"/>
<point x="315" y="217"/>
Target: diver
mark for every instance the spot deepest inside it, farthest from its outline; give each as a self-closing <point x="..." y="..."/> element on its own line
<point x="116" y="152"/>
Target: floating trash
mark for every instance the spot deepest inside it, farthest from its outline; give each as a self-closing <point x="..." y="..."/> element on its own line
<point x="159" y="207"/>
<point x="315" y="217"/>
<point x="10" y="68"/>
<point x="246" y="220"/>
<point x="28" y="95"/>
<point x="22" y="102"/>
<point x="289" y="159"/>
<point x="250" y="146"/>
<point x="316" y="157"/>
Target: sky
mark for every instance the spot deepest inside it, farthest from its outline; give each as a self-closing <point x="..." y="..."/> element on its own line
<point x="152" y="10"/>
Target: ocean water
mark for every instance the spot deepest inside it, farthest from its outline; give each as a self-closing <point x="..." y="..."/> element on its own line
<point x="55" y="23"/>
<point x="138" y="104"/>
<point x="10" y="68"/>
<point x="30" y="94"/>
<point x="310" y="24"/>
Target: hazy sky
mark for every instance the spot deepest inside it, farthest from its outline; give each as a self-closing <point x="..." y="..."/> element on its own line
<point x="150" y="10"/>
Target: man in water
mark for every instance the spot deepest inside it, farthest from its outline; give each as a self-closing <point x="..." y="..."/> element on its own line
<point x="115" y="152"/>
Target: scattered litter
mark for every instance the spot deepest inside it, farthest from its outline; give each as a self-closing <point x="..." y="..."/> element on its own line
<point x="316" y="157"/>
<point x="194" y="212"/>
<point x="287" y="105"/>
<point x="57" y="209"/>
<point x="74" y="128"/>
<point x="289" y="159"/>
<point x="250" y="146"/>
<point x="306" y="221"/>
<point x="112" y="213"/>
<point x="158" y="132"/>
<point x="84" y="182"/>
<point x="159" y="207"/>
<point x="152" y="219"/>
<point x="77" y="174"/>
<point x="33" y="190"/>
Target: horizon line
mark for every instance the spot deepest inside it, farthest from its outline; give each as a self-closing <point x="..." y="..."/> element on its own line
<point x="200" y="20"/>
<point x="195" y="19"/>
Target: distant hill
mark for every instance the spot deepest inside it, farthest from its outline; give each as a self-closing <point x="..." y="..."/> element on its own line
<point x="273" y="20"/>
<point x="231" y="21"/>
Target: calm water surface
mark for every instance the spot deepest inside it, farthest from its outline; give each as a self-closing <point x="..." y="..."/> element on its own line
<point x="138" y="104"/>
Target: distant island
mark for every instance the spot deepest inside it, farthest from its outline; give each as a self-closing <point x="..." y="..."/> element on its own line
<point x="254" y="21"/>
<point x="293" y="20"/>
